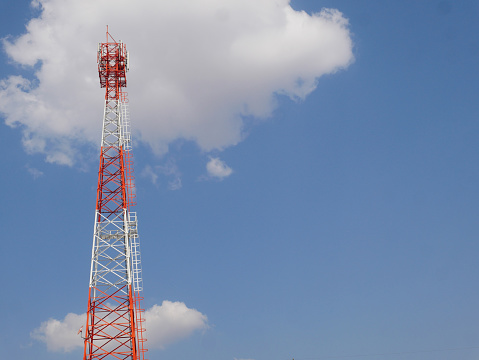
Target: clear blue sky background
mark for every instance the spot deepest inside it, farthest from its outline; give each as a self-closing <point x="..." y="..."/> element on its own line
<point x="349" y="226"/>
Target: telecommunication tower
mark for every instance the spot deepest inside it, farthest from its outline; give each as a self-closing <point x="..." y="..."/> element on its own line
<point x="114" y="325"/>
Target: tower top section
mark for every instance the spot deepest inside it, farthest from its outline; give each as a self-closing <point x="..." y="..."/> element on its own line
<point x="112" y="61"/>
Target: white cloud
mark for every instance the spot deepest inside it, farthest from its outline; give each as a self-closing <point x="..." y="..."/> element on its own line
<point x="197" y="68"/>
<point x="170" y="322"/>
<point x="175" y="184"/>
<point x="150" y="173"/>
<point x="169" y="170"/>
<point x="34" y="172"/>
<point x="218" y="168"/>
<point x="164" y="324"/>
<point x="61" y="335"/>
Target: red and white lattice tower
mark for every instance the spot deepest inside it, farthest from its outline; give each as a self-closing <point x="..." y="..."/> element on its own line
<point x="114" y="325"/>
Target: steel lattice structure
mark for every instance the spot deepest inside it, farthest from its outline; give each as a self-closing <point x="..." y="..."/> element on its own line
<point x="114" y="327"/>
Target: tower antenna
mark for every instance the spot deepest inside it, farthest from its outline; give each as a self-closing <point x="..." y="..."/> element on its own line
<point x="114" y="325"/>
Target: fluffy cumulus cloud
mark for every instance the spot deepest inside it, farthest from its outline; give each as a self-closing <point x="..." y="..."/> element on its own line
<point x="172" y="321"/>
<point x="165" y="324"/>
<point x="218" y="169"/>
<point x="61" y="335"/>
<point x="198" y="68"/>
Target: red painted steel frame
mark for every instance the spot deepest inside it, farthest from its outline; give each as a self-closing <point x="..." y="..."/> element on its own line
<point x="114" y="320"/>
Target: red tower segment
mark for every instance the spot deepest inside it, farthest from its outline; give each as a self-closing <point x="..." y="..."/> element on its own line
<point x="114" y="319"/>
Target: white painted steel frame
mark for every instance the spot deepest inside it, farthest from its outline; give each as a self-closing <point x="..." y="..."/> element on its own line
<point x="116" y="259"/>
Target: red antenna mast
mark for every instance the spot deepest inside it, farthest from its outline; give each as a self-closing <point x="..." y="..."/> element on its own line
<point x="114" y="326"/>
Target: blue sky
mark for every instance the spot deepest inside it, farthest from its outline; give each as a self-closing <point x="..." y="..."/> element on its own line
<point x="348" y="226"/>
